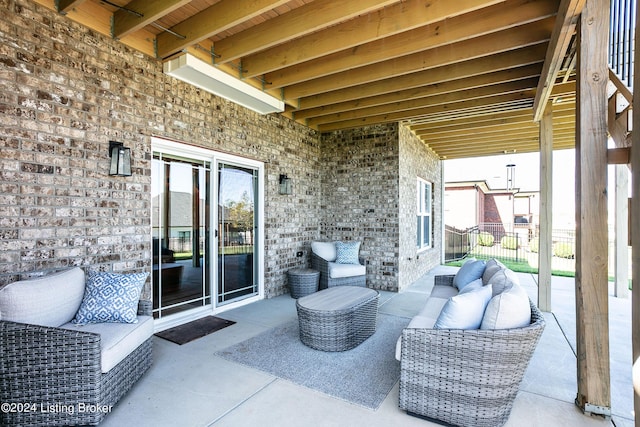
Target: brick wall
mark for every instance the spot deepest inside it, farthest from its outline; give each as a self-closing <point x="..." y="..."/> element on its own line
<point x="65" y="91"/>
<point x="360" y="197"/>
<point x="417" y="161"/>
<point x="369" y="194"/>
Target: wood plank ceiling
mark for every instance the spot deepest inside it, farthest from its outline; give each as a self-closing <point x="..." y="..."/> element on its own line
<point x="463" y="75"/>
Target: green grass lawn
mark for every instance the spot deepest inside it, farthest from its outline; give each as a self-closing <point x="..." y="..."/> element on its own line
<point x="525" y="267"/>
<point x="520" y="267"/>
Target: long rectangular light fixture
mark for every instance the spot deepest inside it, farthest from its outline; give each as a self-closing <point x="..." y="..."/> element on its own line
<point x="194" y="71"/>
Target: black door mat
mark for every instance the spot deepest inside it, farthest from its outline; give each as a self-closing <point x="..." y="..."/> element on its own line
<point x="193" y="330"/>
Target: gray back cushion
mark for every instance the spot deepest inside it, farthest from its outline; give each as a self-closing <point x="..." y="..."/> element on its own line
<point x="51" y="300"/>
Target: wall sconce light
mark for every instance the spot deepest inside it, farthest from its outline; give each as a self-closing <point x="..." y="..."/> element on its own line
<point x="286" y="184"/>
<point x="120" y="159"/>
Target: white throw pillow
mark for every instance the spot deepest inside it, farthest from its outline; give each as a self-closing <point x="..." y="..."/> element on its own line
<point x="325" y="250"/>
<point x="509" y="309"/>
<point x="50" y="300"/>
<point x="465" y="310"/>
<point x="470" y="271"/>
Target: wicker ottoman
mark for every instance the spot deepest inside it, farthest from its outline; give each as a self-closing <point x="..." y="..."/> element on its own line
<point x="303" y="282"/>
<point x="338" y="318"/>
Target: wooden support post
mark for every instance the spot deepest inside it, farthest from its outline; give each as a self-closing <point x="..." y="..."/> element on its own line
<point x="635" y="220"/>
<point x="621" y="289"/>
<point x="592" y="309"/>
<point x="545" y="239"/>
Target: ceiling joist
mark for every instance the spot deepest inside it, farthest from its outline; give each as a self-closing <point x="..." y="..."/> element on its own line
<point x="453" y="72"/>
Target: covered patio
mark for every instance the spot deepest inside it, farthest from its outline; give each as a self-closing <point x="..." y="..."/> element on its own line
<point x="353" y="103"/>
<point x="205" y="389"/>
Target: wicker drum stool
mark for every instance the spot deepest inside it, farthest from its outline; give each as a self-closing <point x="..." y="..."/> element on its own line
<point x="338" y="318"/>
<point x="303" y="281"/>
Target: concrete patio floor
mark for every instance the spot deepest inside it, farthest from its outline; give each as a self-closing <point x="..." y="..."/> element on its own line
<point x="189" y="385"/>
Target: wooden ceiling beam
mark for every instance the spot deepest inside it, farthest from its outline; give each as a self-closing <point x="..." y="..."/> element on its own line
<point x="424" y="91"/>
<point x="495" y="63"/>
<point x="499" y="134"/>
<point x="563" y="31"/>
<point x="98" y="18"/>
<point x="566" y="109"/>
<point x="496" y="146"/>
<point x="125" y="22"/>
<point x="431" y="35"/>
<point x="303" y="20"/>
<point x="480" y="148"/>
<point x="209" y="22"/>
<point x="513" y="101"/>
<point x="443" y="103"/>
<point x="64" y="6"/>
<point x="518" y="86"/>
<point x="488" y="45"/>
<point x="499" y="128"/>
<point x="468" y="112"/>
<point x="398" y="18"/>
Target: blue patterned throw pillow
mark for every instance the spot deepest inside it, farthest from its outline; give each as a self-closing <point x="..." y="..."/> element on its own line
<point x="110" y="298"/>
<point x="347" y="253"/>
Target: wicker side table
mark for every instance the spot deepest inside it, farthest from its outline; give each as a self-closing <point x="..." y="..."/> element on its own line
<point x="303" y="282"/>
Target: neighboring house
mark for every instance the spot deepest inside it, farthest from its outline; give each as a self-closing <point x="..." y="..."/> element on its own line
<point x="470" y="203"/>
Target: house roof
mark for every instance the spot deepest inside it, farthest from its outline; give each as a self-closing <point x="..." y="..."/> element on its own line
<point x="468" y="77"/>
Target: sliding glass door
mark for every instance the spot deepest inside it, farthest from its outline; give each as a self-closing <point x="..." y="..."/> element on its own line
<point x="198" y="266"/>
<point x="237" y="232"/>
<point x="181" y="234"/>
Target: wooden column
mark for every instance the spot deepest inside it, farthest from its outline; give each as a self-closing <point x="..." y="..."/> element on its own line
<point x="622" y="231"/>
<point x="592" y="311"/>
<point x="545" y="239"/>
<point x="635" y="218"/>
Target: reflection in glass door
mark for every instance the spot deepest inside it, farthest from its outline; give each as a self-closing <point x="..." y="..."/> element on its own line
<point x="237" y="229"/>
<point x="181" y="224"/>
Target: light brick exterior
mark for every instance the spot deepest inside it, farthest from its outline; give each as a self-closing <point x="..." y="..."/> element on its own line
<point x="417" y="161"/>
<point x="369" y="194"/>
<point x="65" y="91"/>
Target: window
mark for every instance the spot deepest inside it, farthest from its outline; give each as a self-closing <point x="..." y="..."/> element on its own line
<point x="424" y="217"/>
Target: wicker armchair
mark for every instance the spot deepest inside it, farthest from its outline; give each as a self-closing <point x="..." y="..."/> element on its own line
<point x="465" y="377"/>
<point x="322" y="265"/>
<point x="52" y="376"/>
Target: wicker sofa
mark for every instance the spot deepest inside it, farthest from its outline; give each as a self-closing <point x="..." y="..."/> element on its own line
<point x="465" y="377"/>
<point x="54" y="372"/>
<point x="334" y="270"/>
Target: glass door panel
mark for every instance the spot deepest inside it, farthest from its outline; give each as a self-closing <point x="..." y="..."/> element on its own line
<point x="181" y="229"/>
<point x="237" y="228"/>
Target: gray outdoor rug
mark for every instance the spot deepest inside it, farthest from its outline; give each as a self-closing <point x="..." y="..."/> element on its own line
<point x="363" y="375"/>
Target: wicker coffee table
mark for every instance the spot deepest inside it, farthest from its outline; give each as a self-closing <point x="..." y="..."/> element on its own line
<point x="338" y="318"/>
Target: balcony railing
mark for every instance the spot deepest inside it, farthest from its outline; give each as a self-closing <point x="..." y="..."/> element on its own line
<point x="621" y="39"/>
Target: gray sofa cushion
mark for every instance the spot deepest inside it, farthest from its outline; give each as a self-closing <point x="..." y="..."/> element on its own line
<point x="509" y="309"/>
<point x="491" y="268"/>
<point x="337" y="271"/>
<point x="444" y="291"/>
<point x="51" y="300"/>
<point x="117" y="340"/>
<point x="503" y="280"/>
